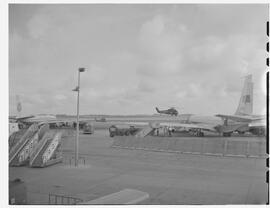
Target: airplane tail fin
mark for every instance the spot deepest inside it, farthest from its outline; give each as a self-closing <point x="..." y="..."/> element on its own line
<point x="19" y="106"/>
<point x="245" y="106"/>
<point x="157" y="110"/>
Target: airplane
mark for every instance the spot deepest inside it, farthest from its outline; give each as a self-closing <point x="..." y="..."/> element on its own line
<point x="16" y="123"/>
<point x="30" y="118"/>
<point x="22" y="121"/>
<point x="33" y="118"/>
<point x="242" y="121"/>
<point x="171" y="111"/>
<point x="256" y="123"/>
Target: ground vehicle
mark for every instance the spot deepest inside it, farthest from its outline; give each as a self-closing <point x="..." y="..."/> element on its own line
<point x="88" y="128"/>
<point x="121" y="130"/>
<point x="13" y="127"/>
<point x="102" y="119"/>
<point x="17" y="192"/>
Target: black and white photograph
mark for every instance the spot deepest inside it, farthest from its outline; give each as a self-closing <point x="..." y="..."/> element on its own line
<point x="137" y="104"/>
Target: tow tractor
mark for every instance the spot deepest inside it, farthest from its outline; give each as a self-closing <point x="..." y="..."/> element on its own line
<point x="121" y="130"/>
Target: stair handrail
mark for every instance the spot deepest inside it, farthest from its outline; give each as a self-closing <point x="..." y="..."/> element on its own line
<point x="56" y="139"/>
<point x="39" y="147"/>
<point x="16" y="148"/>
<point x="43" y="129"/>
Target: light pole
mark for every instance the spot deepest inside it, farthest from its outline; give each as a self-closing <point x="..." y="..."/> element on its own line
<point x="77" y="126"/>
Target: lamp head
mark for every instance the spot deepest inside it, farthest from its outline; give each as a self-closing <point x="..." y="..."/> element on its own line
<point x="81" y="69"/>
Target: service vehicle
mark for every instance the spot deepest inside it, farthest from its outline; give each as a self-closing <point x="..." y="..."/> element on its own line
<point x="88" y="128"/>
<point x="121" y="130"/>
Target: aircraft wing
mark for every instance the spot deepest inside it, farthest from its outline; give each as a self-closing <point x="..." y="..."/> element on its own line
<point x="257" y="124"/>
<point x="190" y="126"/>
<point x="238" y="118"/>
<point x="67" y="120"/>
<point x="23" y="118"/>
<point x="136" y="123"/>
<point x="82" y="120"/>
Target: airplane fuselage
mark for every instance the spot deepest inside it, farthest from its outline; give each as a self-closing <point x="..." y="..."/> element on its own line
<point x="37" y="118"/>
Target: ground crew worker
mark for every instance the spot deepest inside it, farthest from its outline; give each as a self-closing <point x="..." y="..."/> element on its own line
<point x="170" y="131"/>
<point x="164" y="131"/>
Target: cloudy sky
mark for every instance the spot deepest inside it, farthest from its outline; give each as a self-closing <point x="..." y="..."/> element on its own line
<point x="192" y="57"/>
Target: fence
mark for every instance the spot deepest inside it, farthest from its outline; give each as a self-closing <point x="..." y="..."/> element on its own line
<point x="219" y="146"/>
<point x="71" y="160"/>
<point x="63" y="200"/>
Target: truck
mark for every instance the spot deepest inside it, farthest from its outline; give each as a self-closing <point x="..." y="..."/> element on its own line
<point x="102" y="119"/>
<point x="121" y="130"/>
<point x="13" y="127"/>
<point x="88" y="128"/>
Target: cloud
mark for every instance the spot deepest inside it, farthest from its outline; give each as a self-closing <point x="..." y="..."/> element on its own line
<point x="161" y="41"/>
<point x="209" y="50"/>
<point x="39" y="26"/>
<point x="136" y="56"/>
<point x="60" y="97"/>
<point x="146" y="87"/>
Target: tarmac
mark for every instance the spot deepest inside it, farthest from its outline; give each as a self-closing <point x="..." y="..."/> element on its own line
<point x="168" y="178"/>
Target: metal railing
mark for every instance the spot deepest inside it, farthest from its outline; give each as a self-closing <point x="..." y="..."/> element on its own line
<point x="203" y="146"/>
<point x="62" y="199"/>
<point x="71" y="160"/>
<point x="22" y="141"/>
<point x="38" y="148"/>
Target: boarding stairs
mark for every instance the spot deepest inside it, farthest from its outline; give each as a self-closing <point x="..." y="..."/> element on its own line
<point x="28" y="143"/>
<point x="145" y="131"/>
<point x="47" y="152"/>
<point x="27" y="150"/>
<point x="15" y="137"/>
<point x="16" y="149"/>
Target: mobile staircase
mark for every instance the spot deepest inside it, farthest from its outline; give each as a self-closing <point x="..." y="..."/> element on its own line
<point x="16" y="149"/>
<point x="47" y="152"/>
<point x="144" y="132"/>
<point x="14" y="137"/>
<point x="20" y="152"/>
